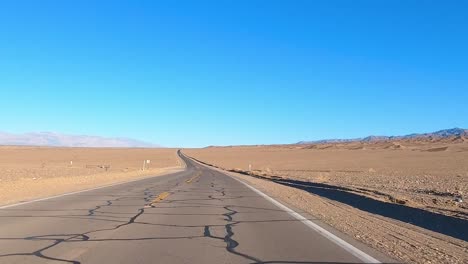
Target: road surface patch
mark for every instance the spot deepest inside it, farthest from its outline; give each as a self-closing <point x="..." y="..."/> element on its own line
<point x="159" y="198"/>
<point x="193" y="178"/>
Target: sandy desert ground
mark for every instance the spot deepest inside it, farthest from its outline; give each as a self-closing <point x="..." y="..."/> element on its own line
<point x="433" y="176"/>
<point x="33" y="172"/>
<point x="413" y="184"/>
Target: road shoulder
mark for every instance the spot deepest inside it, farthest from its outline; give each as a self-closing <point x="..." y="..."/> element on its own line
<point x="29" y="190"/>
<point x="401" y="241"/>
<point x="291" y="205"/>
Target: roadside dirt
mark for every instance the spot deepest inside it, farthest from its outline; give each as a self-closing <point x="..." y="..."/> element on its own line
<point x="28" y="173"/>
<point x="401" y="241"/>
<point x="415" y="175"/>
<point x="407" y="202"/>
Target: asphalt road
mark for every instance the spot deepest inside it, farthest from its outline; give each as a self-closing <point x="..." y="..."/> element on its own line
<point x="196" y="216"/>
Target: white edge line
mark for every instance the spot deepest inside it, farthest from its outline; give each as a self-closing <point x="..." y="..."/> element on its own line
<point x="333" y="238"/>
<point x="340" y="242"/>
<point x="87" y="190"/>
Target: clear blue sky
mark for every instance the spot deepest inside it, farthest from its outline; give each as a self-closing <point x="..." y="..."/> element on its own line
<point x="200" y="73"/>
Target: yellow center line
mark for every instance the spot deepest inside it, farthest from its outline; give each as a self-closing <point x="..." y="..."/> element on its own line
<point x="193" y="178"/>
<point x="159" y="198"/>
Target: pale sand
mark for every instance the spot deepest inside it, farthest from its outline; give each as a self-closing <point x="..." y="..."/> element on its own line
<point x="432" y="180"/>
<point x="424" y="175"/>
<point x="28" y="173"/>
<point x="404" y="242"/>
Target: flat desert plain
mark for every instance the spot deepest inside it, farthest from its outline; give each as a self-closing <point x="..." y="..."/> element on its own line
<point x="34" y="172"/>
<point x="406" y="199"/>
<point x="433" y="176"/>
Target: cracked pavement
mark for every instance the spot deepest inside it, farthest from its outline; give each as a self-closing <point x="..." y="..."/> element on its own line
<point x="203" y="217"/>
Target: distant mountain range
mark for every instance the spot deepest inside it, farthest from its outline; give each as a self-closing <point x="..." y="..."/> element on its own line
<point x="446" y="133"/>
<point x="61" y="140"/>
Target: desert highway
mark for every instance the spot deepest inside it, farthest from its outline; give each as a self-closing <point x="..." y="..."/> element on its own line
<point x="198" y="215"/>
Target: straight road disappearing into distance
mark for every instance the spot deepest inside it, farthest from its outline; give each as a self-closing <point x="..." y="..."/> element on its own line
<point x="198" y="215"/>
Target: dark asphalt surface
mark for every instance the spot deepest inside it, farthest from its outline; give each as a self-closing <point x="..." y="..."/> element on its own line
<point x="196" y="216"/>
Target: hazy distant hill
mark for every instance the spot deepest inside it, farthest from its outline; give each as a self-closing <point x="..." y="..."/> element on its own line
<point x="446" y="133"/>
<point x="62" y="140"/>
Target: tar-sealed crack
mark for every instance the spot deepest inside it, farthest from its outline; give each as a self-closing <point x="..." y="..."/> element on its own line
<point x="78" y="237"/>
<point x="232" y="245"/>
